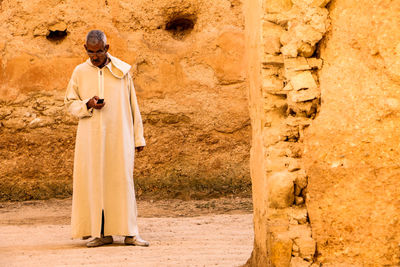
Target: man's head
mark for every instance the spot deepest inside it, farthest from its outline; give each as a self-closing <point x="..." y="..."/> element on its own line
<point x="96" y="47"/>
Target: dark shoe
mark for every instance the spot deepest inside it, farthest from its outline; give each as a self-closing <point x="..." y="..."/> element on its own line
<point x="100" y="241"/>
<point x="136" y="241"/>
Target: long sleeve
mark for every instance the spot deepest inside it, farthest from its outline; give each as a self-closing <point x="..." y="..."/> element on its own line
<point x="75" y="105"/>
<point x="137" y="118"/>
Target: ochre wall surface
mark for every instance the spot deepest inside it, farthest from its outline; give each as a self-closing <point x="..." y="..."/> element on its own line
<point x="190" y="83"/>
<point x="330" y="83"/>
<point x="253" y="16"/>
<point x="352" y="152"/>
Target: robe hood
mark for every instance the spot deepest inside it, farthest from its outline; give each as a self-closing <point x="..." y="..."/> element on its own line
<point x="117" y="67"/>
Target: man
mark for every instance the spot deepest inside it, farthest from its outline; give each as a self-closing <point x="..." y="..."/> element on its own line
<point x="101" y="94"/>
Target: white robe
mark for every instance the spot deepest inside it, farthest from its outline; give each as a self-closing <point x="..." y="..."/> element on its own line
<point x="104" y="149"/>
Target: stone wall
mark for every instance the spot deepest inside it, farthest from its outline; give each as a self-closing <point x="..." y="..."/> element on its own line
<point x="187" y="58"/>
<point x="329" y="84"/>
<point x="291" y="96"/>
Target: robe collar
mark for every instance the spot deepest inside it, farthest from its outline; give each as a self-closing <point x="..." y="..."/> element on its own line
<point x="117" y="67"/>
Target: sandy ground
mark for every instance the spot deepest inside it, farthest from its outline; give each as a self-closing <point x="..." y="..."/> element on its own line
<point x="181" y="233"/>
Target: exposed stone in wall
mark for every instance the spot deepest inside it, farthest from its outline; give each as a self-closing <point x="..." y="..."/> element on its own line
<point x="292" y="98"/>
<point x="187" y="58"/>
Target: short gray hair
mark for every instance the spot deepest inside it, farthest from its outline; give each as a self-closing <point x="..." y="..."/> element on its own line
<point x="96" y="36"/>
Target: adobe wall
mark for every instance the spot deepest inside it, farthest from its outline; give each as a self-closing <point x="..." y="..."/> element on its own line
<point x="330" y="88"/>
<point x="187" y="59"/>
<point x="253" y="16"/>
<point x="352" y="152"/>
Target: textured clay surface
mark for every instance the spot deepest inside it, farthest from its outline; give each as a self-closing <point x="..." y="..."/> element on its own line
<point x="352" y="151"/>
<point x="187" y="59"/>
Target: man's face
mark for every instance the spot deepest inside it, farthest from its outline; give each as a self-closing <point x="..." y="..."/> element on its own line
<point x="97" y="52"/>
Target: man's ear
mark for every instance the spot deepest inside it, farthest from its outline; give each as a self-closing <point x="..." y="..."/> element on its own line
<point x="107" y="47"/>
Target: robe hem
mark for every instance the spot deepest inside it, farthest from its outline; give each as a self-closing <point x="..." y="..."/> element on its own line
<point x="107" y="234"/>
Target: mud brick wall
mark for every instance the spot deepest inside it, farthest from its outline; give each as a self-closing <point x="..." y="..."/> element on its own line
<point x="327" y="80"/>
<point x="188" y="69"/>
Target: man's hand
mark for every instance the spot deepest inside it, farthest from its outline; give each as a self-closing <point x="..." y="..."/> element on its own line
<point x="92" y="103"/>
<point x="139" y="148"/>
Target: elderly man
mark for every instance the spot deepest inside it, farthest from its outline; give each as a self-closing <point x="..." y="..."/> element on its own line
<point x="101" y="94"/>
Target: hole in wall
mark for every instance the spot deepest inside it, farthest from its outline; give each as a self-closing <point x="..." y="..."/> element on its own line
<point x="180" y="26"/>
<point x="56" y="36"/>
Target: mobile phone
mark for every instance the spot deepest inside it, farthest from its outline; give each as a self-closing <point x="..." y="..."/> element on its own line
<point x="100" y="101"/>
